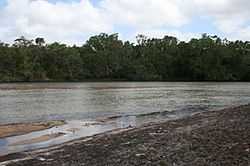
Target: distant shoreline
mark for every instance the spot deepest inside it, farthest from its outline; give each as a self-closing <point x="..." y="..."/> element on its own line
<point x="209" y="138"/>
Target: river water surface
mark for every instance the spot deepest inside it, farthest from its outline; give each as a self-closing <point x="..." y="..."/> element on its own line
<point x="107" y="106"/>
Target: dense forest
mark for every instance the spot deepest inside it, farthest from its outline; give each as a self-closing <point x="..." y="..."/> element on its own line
<point x="105" y="57"/>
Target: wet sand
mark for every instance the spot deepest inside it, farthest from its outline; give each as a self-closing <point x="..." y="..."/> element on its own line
<point x="209" y="138"/>
<point x="39" y="139"/>
<point x="10" y="130"/>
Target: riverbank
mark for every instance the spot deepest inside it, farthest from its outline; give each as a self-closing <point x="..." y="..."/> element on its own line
<point x="209" y="138"/>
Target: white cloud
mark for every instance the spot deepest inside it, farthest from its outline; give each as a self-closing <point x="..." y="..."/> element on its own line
<point x="230" y="16"/>
<point x="61" y="21"/>
<point x="242" y="34"/>
<point x="74" y="22"/>
<point x="146" y="13"/>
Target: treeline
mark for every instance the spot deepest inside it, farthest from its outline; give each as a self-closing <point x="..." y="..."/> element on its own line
<point x="104" y="56"/>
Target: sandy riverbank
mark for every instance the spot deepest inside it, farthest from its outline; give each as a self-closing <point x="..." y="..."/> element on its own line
<point x="9" y="130"/>
<point x="211" y="138"/>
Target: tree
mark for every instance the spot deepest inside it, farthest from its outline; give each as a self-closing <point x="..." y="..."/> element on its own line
<point x="105" y="56"/>
<point x="23" y="42"/>
<point x="40" y="41"/>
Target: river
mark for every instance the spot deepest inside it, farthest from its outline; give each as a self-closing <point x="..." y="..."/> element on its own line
<point x="129" y="103"/>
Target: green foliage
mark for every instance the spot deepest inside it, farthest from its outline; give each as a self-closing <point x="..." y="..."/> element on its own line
<point x="106" y="57"/>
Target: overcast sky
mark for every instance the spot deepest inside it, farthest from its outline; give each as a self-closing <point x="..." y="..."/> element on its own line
<point x="73" y="21"/>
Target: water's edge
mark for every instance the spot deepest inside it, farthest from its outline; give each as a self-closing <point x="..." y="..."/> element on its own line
<point x="76" y="129"/>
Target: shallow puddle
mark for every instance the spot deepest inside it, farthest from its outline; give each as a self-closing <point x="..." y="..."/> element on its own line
<point x="76" y="129"/>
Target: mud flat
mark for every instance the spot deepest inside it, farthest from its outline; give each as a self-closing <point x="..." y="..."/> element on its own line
<point x="205" y="139"/>
<point x="9" y="130"/>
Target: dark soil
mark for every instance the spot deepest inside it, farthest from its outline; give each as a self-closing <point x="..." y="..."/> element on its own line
<point x="215" y="138"/>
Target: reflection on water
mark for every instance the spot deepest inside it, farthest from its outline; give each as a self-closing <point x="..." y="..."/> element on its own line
<point x="115" y="105"/>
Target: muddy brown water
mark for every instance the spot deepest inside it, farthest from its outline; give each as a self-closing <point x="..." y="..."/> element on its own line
<point x="92" y="108"/>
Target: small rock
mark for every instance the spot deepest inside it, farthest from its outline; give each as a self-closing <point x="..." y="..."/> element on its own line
<point x="41" y="159"/>
<point x="140" y="154"/>
<point x="126" y="143"/>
